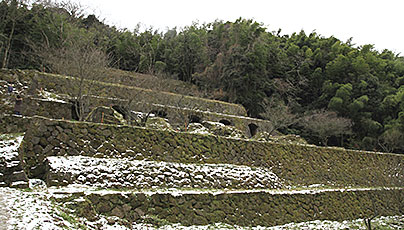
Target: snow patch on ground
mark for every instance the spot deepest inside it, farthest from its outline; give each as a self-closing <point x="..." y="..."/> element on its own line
<point x="9" y="145"/>
<point x="87" y="190"/>
<point x="27" y="210"/>
<point x="48" y="96"/>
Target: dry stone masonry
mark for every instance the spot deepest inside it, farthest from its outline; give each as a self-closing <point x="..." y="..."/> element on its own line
<point x="257" y="208"/>
<point x="299" y="165"/>
<point x="124" y="173"/>
<point x="11" y="172"/>
<point x="171" y="158"/>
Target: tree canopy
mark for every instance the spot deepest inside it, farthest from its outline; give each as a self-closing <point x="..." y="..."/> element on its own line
<point x="239" y="62"/>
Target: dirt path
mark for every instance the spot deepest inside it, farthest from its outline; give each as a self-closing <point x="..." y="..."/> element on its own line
<point x="3" y="209"/>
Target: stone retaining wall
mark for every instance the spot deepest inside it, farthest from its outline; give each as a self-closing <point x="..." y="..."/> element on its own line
<point x="60" y="84"/>
<point x="47" y="108"/>
<point x="180" y="110"/>
<point x="180" y="117"/>
<point x="11" y="171"/>
<point x="141" y="174"/>
<point x="245" y="208"/>
<point x="14" y="123"/>
<point x="297" y="164"/>
<point x="177" y="117"/>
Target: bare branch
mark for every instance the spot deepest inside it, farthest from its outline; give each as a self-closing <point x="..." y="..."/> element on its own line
<point x="325" y="124"/>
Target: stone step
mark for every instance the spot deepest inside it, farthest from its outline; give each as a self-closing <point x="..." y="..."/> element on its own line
<point x="124" y="173"/>
<point x="18" y="176"/>
<point x="235" y="207"/>
<point x="19" y="184"/>
<point x="11" y="172"/>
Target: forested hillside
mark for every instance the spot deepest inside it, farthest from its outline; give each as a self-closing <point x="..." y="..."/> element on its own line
<point x="329" y="91"/>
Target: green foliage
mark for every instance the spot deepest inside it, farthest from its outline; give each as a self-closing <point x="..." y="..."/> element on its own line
<point x="336" y="104"/>
<point x="358" y="104"/>
<point x="236" y="61"/>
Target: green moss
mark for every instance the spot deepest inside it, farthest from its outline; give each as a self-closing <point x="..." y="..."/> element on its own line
<point x="299" y="165"/>
<point x="58" y="84"/>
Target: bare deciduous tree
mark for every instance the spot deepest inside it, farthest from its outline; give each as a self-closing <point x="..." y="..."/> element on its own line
<point x="278" y="114"/>
<point x="325" y="124"/>
<point x="84" y="64"/>
<point x="391" y="139"/>
<point x="78" y="58"/>
<point x="74" y="54"/>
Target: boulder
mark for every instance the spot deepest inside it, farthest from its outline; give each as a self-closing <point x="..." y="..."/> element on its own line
<point x="158" y="123"/>
<point x="220" y="129"/>
<point x="106" y="115"/>
<point x="197" y="128"/>
<point x="37" y="185"/>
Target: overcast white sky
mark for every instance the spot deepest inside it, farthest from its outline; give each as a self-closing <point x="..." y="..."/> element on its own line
<point x="367" y="21"/>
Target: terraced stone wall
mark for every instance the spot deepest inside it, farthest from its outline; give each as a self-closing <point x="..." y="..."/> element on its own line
<point x="151" y="82"/>
<point x="60" y="84"/>
<point x="181" y="117"/>
<point x="177" y="117"/>
<point x="47" y="108"/>
<point x="241" y="208"/>
<point x="141" y="174"/>
<point x="10" y="123"/>
<point x="297" y="164"/>
<point x="13" y="123"/>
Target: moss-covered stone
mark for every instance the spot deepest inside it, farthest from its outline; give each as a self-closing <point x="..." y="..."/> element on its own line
<point x="57" y="83"/>
<point x="282" y="139"/>
<point x="158" y="123"/>
<point x="104" y="206"/>
<point x="296" y="164"/>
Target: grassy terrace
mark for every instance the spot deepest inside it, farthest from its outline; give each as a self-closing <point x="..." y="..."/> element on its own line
<point x="65" y="85"/>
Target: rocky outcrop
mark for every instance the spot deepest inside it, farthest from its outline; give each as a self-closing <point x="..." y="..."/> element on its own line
<point x="223" y="130"/>
<point x="282" y="139"/>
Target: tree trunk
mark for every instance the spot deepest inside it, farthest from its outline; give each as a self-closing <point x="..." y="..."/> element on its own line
<point x="368" y="224"/>
<point x="324" y="140"/>
<point x="8" y="47"/>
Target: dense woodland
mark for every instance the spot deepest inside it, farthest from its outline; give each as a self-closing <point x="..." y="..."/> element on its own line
<point x="329" y="91"/>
